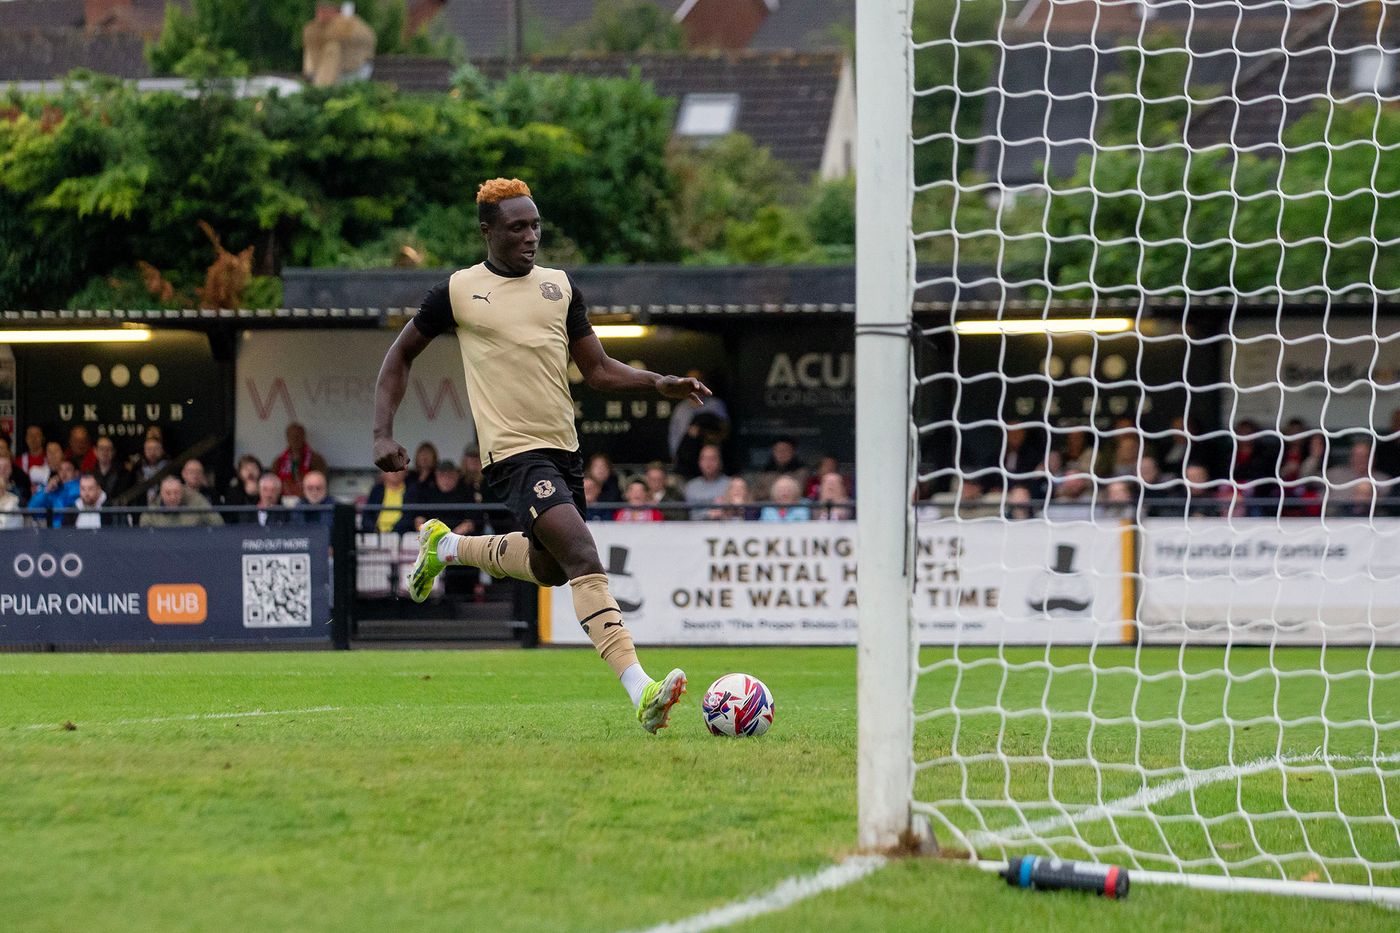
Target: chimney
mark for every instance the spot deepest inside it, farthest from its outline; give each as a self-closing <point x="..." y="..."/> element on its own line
<point x="103" y="15"/>
<point x="722" y="24"/>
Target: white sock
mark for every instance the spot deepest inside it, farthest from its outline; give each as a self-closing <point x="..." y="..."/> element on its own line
<point x="634" y="681"/>
<point x="447" y="548"/>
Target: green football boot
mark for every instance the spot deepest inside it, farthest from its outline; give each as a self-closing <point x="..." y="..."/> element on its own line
<point x="657" y="700"/>
<point x="428" y="565"/>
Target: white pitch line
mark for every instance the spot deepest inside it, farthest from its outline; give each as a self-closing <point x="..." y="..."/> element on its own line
<point x="1137" y="804"/>
<point x="196" y="716"/>
<point x="786" y="894"/>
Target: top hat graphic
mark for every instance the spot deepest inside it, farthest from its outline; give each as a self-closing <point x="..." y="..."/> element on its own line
<point x="1064" y="559"/>
<point x="625" y="589"/>
<point x="617" y="561"/>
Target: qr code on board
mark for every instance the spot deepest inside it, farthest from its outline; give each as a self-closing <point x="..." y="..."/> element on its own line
<point x="276" y="590"/>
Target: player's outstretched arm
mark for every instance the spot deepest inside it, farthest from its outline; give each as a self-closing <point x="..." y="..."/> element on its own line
<point x="606" y="374"/>
<point x="389" y="390"/>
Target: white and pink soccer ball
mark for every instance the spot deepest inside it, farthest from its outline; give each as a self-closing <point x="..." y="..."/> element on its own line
<point x="737" y="704"/>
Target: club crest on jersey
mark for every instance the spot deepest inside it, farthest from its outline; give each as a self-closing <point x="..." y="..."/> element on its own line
<point x="551" y="291"/>
<point x="544" y="489"/>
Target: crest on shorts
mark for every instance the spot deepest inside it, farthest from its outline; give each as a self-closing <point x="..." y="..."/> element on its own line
<point x="551" y="291"/>
<point x="544" y="489"/>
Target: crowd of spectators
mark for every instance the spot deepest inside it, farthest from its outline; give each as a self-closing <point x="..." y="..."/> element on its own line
<point x="1062" y="472"/>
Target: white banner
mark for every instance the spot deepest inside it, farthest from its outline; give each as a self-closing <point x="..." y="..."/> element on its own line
<point x="1287" y="582"/>
<point x="1344" y="379"/>
<point x="979" y="582"/>
<point x="325" y="379"/>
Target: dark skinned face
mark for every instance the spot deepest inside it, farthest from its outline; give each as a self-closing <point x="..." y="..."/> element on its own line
<point x="514" y="236"/>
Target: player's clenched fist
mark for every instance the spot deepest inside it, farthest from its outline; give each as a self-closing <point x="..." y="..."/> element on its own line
<point x="389" y="455"/>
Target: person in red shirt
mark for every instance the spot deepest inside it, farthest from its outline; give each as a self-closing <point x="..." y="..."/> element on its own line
<point x="80" y="449"/>
<point x="638" y="498"/>
<point x="32" y="462"/>
<point x="296" y="461"/>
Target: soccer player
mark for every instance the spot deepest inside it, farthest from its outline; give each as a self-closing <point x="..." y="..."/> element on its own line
<point x="518" y="324"/>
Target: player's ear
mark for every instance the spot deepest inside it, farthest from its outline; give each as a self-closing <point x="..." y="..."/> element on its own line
<point x="485" y="228"/>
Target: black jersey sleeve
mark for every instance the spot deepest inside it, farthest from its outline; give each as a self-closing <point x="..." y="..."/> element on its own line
<point x="435" y="313"/>
<point x="576" y="324"/>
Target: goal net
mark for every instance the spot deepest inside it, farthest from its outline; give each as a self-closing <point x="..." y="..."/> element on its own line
<point x="1152" y="564"/>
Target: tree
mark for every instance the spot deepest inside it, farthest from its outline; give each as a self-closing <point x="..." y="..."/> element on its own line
<point x="629" y="26"/>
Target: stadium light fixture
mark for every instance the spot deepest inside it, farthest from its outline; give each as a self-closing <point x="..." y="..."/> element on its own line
<point x="77" y="335"/>
<point x="611" y="331"/>
<point x="1067" y="325"/>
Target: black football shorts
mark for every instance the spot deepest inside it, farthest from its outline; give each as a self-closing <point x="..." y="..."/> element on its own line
<point x="535" y="481"/>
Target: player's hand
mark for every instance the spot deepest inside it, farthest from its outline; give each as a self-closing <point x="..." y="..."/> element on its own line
<point x="681" y="387"/>
<point x="389" y="455"/>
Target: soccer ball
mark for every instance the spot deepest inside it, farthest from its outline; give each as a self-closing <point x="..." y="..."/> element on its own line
<point x="737" y="704"/>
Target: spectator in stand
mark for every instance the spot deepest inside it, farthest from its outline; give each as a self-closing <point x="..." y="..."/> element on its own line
<point x="270" y="510"/>
<point x="1071" y="498"/>
<point x="1119" y="500"/>
<point x="736" y="505"/>
<point x="53" y="456"/>
<point x="600" y="467"/>
<point x="425" y="463"/>
<point x="683" y="414"/>
<point x="1175" y="448"/>
<point x="661" y="486"/>
<point x="1205" y="496"/>
<point x="108" y="471"/>
<point x="1021" y="457"/>
<point x="80" y="448"/>
<point x="592" y="512"/>
<point x="315" y="493"/>
<point x="638" y="499"/>
<point x="389" y="493"/>
<point x="174" y="494"/>
<point x="474" y="476"/>
<point x="1078" y="456"/>
<point x="1314" y="465"/>
<point x="706" y="488"/>
<point x="1125" y="456"/>
<point x="834" y="499"/>
<point x="243" y="487"/>
<point x="1156" y="486"/>
<point x="1018" y="503"/>
<point x="34" y="463"/>
<point x="1360" y="465"/>
<point x="60" y="492"/>
<point x="91" y="498"/>
<point x="296" y="461"/>
<point x="1388" y="447"/>
<point x="783" y="460"/>
<point x="639" y="502"/>
<point x="813" y="487"/>
<point x="445" y="489"/>
<point x="1358" y="501"/>
<point x="705" y="429"/>
<point x="153" y="460"/>
<point x="10" y="482"/>
<point x="788" y="507"/>
<point x="1254" y="469"/>
<point x="197" y="479"/>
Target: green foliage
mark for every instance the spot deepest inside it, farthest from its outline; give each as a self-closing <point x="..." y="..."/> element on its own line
<point x="628" y="26"/>
<point x="966" y="67"/>
<point x="774" y="235"/>
<point x="728" y="180"/>
<point x="831" y="212"/>
<point x="610" y="189"/>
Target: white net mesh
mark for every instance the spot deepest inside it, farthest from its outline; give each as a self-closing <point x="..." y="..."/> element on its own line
<point x="1159" y="562"/>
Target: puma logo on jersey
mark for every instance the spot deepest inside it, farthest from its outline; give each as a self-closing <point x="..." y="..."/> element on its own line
<point x="608" y="625"/>
<point x="486" y="298"/>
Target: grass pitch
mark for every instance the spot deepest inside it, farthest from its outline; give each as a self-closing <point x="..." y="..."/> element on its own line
<point x="478" y="790"/>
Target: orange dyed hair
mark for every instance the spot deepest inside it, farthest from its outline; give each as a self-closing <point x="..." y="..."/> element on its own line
<point x="500" y="189"/>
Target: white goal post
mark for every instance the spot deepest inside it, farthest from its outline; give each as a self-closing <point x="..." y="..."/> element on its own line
<point x="1128" y="436"/>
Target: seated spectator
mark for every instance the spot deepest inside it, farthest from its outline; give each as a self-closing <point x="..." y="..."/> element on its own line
<point x="661" y="486"/>
<point x="1018" y="503"/>
<point x="474" y="476"/>
<point x="1357" y="501"/>
<point x="1124" y="458"/>
<point x="60" y="492"/>
<point x="425" y="464"/>
<point x="174" y="494"/>
<point x="243" y="487"/>
<point x="1317" y="449"/>
<point x="389" y="492"/>
<point x="315" y="496"/>
<point x="1175" y="448"/>
<point x="1359" y="466"/>
<point x="813" y="488"/>
<point x="782" y="461"/>
<point x="705" y="428"/>
<point x="1157" y="487"/>
<point x="91" y="498"/>
<point x="108" y="471"/>
<point x="788" y="507"/>
<point x="638" y="499"/>
<point x="592" y="512"/>
<point x="270" y="510"/>
<point x="710" y="484"/>
<point x="1119" y="500"/>
<point x="684" y="413"/>
<point x="1388" y="450"/>
<point x="1078" y="455"/>
<point x="153" y="460"/>
<point x="1070" y="498"/>
<point x="34" y="462"/>
<point x="735" y="504"/>
<point x="198" y="480"/>
<point x="1205" y="496"/>
<point x="53" y="456"/>
<point x="296" y="461"/>
<point x="834" y="502"/>
<point x="10" y="482"/>
<point x="445" y="489"/>
<point x="600" y="467"/>
<point x="80" y="448"/>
